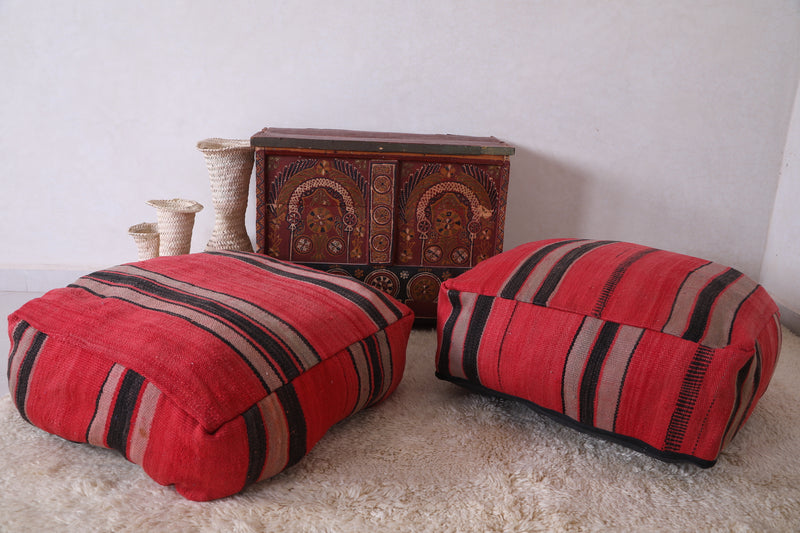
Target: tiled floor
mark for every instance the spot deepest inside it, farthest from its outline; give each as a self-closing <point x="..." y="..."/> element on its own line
<point x="9" y="302"/>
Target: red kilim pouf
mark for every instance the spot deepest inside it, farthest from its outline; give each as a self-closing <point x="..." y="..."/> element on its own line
<point x="211" y="371"/>
<point x="664" y="353"/>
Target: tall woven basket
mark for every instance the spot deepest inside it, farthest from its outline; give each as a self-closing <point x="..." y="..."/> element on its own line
<point x="146" y="237"/>
<point x="175" y="224"/>
<point x="230" y="163"/>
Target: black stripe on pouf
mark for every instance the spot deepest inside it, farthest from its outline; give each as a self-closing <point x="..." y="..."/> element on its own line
<point x="472" y="341"/>
<point x="296" y="422"/>
<point x="553" y="278"/>
<point x="517" y="280"/>
<point x="705" y="301"/>
<point x="256" y="443"/>
<point x="690" y="390"/>
<point x="447" y="333"/>
<point x="25" y="371"/>
<point x="358" y="299"/>
<point x="591" y="372"/>
<point x="373" y="356"/>
<point x="124" y="407"/>
<point x="16" y="337"/>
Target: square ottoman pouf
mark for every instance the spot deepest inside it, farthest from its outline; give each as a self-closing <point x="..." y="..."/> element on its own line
<point x="211" y="371"/>
<point x="665" y="353"/>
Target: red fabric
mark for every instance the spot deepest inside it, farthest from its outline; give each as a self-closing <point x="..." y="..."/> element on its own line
<point x="664" y="352"/>
<point x="212" y="371"/>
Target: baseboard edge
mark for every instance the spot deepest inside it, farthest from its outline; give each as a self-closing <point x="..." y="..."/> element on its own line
<point x="790" y="318"/>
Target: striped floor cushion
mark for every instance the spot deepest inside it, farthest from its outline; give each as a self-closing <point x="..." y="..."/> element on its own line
<point x="211" y="371"/>
<point x="665" y="353"/>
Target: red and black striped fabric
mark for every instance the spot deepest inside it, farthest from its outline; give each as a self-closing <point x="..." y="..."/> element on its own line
<point x="211" y="371"/>
<point x="663" y="352"/>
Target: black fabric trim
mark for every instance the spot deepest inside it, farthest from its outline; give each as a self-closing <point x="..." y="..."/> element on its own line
<point x="472" y="340"/>
<point x="296" y="422"/>
<point x="628" y="442"/>
<point x="350" y="352"/>
<point x="513" y="286"/>
<point x="25" y="371"/>
<point x="124" y="407"/>
<point x="256" y="443"/>
<point x="591" y="372"/>
<point x="560" y="268"/>
<point x="447" y="332"/>
<point x="678" y="293"/>
<point x="705" y="301"/>
<point x="16" y="336"/>
<point x="373" y="353"/>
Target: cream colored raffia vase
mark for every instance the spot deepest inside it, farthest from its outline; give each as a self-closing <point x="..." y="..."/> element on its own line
<point x="175" y="224"/>
<point x="146" y="237"/>
<point x="229" y="163"/>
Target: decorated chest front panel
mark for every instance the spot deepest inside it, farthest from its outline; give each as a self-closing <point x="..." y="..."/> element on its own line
<point x="402" y="224"/>
<point x="450" y="215"/>
<point x="329" y="210"/>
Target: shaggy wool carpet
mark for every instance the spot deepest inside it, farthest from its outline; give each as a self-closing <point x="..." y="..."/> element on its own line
<point x="433" y="457"/>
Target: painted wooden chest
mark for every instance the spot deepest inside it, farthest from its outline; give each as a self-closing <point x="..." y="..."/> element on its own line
<point x="402" y="212"/>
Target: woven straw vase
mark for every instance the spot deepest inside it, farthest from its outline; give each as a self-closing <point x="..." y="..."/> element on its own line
<point x="175" y="224"/>
<point x="146" y="237"/>
<point x="229" y="163"/>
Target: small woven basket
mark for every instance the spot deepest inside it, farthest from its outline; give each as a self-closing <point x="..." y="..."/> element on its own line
<point x="230" y="163"/>
<point x="146" y="237"/>
<point x="175" y="224"/>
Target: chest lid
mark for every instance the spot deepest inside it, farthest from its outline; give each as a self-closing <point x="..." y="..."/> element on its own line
<point x="367" y="141"/>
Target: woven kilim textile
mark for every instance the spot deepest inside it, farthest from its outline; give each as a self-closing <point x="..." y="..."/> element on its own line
<point x="211" y="371"/>
<point x="663" y="352"/>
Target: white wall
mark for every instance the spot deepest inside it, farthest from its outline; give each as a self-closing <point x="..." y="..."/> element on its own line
<point x="658" y="122"/>
<point x="780" y="272"/>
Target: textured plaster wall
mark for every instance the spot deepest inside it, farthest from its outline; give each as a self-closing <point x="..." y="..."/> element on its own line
<point x="780" y="272"/>
<point x="660" y="123"/>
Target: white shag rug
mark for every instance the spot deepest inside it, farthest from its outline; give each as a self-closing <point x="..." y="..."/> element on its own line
<point x="437" y="458"/>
